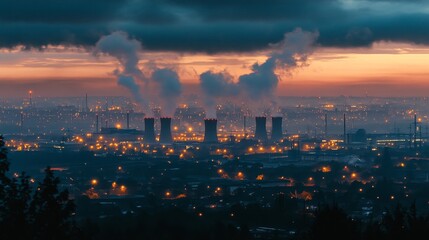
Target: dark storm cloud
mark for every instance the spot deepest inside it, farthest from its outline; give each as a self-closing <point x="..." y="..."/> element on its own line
<point x="362" y="32"/>
<point x="210" y="25"/>
<point x="55" y="11"/>
<point x="259" y="10"/>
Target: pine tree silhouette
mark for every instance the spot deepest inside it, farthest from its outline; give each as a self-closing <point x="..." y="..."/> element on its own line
<point x="333" y="223"/>
<point x="14" y="196"/>
<point x="51" y="210"/>
<point x="46" y="214"/>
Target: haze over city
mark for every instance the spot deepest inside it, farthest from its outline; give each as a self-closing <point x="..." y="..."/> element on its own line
<point x="215" y="119"/>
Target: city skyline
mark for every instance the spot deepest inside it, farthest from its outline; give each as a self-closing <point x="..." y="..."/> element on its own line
<point x="379" y="50"/>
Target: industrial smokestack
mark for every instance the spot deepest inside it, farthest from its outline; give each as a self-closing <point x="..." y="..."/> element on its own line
<point x="128" y="120"/>
<point x="244" y="127"/>
<point x="86" y="103"/>
<point x="210" y="134"/>
<point x="345" y="129"/>
<point x="415" y="130"/>
<point x="149" y="130"/>
<point x="165" y="135"/>
<point x="261" y="128"/>
<point x="30" y="93"/>
<point x="326" y="125"/>
<point x="96" y="123"/>
<point x="277" y="130"/>
<point x="21" y="124"/>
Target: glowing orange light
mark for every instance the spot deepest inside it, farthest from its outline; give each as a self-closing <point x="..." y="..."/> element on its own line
<point x="326" y="169"/>
<point x="94" y="181"/>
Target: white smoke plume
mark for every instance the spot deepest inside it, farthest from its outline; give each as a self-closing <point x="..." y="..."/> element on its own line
<point x="216" y="86"/>
<point x="291" y="53"/>
<point x="125" y="50"/>
<point x="170" y="88"/>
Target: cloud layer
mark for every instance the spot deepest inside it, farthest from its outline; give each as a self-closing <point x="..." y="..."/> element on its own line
<point x="211" y="25"/>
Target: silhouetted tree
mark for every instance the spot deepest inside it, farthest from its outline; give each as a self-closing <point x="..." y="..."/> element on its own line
<point x="44" y="215"/>
<point x="394" y="224"/>
<point x="372" y="231"/>
<point x="332" y="222"/>
<point x="51" y="210"/>
<point x="417" y="225"/>
<point x="15" y="194"/>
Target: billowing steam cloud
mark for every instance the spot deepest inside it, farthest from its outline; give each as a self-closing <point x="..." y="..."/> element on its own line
<point x="262" y="82"/>
<point x="215" y="86"/>
<point x="289" y="54"/>
<point x="126" y="50"/>
<point x="129" y="83"/>
<point x="170" y="88"/>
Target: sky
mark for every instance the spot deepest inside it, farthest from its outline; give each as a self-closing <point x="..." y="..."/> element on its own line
<point x="258" y="47"/>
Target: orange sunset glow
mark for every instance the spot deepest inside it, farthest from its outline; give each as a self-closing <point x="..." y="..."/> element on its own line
<point x="332" y="69"/>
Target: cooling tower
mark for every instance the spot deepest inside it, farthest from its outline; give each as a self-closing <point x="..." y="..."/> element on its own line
<point x="277" y="130"/>
<point x="165" y="135"/>
<point x="149" y="130"/>
<point x="210" y="133"/>
<point x="261" y="128"/>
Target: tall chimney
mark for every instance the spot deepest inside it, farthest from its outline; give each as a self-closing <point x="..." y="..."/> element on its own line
<point x="86" y="103"/>
<point x="344" y="129"/>
<point x="415" y="130"/>
<point x="96" y="123"/>
<point x="277" y="130"/>
<point x="128" y="120"/>
<point x="244" y="126"/>
<point x="165" y="135"/>
<point x="21" y="124"/>
<point x="261" y="128"/>
<point x="149" y="130"/>
<point x="210" y="133"/>
<point x="30" y="93"/>
<point x="326" y="125"/>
